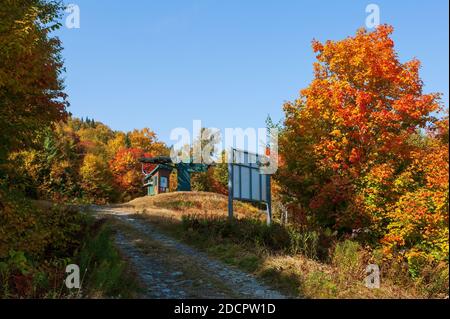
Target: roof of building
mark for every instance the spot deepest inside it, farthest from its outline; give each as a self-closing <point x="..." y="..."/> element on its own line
<point x="156" y="169"/>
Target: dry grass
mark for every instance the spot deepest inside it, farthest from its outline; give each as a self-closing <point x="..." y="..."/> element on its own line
<point x="295" y="275"/>
<point x="312" y="279"/>
<point x="175" y="205"/>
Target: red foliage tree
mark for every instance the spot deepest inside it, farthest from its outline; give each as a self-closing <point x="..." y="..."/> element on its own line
<point x="354" y="133"/>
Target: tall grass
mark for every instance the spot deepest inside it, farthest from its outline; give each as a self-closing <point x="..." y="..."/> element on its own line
<point x="297" y="260"/>
<point x="276" y="237"/>
<point x="104" y="272"/>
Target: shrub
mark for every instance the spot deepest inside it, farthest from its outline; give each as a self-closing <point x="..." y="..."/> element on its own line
<point x="320" y="285"/>
<point x="36" y="231"/>
<point x="348" y="258"/>
<point x="303" y="242"/>
<point x="434" y="280"/>
<point x="37" y="242"/>
<point x="275" y="237"/>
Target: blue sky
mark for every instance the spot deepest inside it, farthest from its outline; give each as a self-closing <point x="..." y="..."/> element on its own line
<point x="162" y="64"/>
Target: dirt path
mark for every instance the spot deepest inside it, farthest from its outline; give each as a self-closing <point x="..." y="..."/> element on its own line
<point x="170" y="269"/>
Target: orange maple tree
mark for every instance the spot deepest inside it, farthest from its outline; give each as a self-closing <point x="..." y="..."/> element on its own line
<point x="360" y="126"/>
<point x="127" y="171"/>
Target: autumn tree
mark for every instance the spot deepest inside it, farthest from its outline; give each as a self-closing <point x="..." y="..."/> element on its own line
<point x="50" y="170"/>
<point x="418" y="219"/>
<point x="95" y="136"/>
<point x="126" y="170"/>
<point x="31" y="89"/>
<point x="82" y="160"/>
<point x="147" y="140"/>
<point x="348" y="141"/>
<point x="118" y="142"/>
<point x="97" y="180"/>
<point x="220" y="175"/>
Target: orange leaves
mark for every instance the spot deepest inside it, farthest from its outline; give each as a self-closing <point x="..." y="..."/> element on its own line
<point x="317" y="46"/>
<point x="366" y="60"/>
<point x="336" y="133"/>
<point x="419" y="214"/>
<point x="367" y="97"/>
<point x="415" y="109"/>
<point x="126" y="170"/>
<point x="355" y="155"/>
<point x="382" y="173"/>
<point x="352" y="150"/>
<point x="363" y="101"/>
<point x="145" y="139"/>
<point x="419" y="221"/>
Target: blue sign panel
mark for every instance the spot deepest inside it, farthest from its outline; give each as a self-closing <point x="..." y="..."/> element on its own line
<point x="247" y="182"/>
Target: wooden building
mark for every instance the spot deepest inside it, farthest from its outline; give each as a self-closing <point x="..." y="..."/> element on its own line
<point x="158" y="180"/>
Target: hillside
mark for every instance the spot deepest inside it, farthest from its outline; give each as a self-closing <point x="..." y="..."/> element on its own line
<point x="177" y="204"/>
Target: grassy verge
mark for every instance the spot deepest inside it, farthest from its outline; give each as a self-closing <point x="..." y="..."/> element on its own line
<point x="105" y="273"/>
<point x="289" y="260"/>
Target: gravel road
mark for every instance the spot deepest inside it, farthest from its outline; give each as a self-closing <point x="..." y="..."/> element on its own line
<point x="170" y="269"/>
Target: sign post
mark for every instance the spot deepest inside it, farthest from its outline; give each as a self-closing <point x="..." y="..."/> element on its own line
<point x="269" y="201"/>
<point x="230" y="185"/>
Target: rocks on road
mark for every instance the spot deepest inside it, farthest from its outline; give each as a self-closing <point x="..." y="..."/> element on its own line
<point x="170" y="269"/>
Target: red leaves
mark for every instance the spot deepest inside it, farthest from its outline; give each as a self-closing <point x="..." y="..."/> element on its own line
<point x="354" y="156"/>
<point x="347" y="148"/>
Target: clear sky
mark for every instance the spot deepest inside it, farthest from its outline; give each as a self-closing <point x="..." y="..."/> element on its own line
<point x="162" y="64"/>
